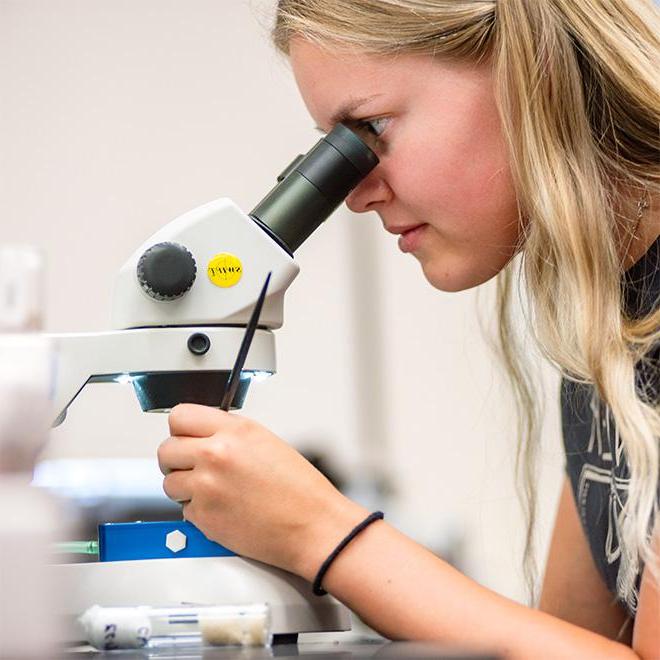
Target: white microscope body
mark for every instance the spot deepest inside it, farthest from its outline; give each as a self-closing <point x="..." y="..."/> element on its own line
<point x="181" y="304"/>
<point x="151" y="334"/>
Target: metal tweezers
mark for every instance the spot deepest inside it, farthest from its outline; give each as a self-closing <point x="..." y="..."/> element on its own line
<point x="235" y="375"/>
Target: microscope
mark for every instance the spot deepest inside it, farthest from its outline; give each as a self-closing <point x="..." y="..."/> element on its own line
<point x="180" y="307"/>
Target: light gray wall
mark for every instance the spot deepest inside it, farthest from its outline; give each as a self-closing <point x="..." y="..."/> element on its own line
<point x="119" y="115"/>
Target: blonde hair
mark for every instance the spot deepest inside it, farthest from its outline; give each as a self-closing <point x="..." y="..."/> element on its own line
<point x="578" y="93"/>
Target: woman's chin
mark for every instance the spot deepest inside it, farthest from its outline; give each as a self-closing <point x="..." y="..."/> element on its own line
<point x="453" y="279"/>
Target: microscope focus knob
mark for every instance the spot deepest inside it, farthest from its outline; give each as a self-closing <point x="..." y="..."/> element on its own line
<point x="166" y="271"/>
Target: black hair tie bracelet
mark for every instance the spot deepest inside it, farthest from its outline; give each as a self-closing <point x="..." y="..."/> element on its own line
<point x="316" y="585"/>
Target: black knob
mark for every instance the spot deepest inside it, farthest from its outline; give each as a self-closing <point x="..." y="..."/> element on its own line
<point x="166" y="271"/>
<point x="199" y="343"/>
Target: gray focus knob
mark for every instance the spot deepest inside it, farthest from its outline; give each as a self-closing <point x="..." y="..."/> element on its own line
<point x="166" y="271"/>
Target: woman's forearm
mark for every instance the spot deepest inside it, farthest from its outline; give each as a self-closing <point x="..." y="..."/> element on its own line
<point x="405" y="592"/>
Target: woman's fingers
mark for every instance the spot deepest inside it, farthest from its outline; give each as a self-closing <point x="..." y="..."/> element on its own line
<point x="197" y="421"/>
<point x="178" y="485"/>
<point x="178" y="453"/>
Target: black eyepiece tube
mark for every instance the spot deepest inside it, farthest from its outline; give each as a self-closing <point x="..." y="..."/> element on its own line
<point x="313" y="186"/>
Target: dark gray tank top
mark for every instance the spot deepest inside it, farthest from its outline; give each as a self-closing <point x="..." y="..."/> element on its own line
<point x="595" y="461"/>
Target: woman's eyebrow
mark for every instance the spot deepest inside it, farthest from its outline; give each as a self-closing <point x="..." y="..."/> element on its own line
<point x="345" y="111"/>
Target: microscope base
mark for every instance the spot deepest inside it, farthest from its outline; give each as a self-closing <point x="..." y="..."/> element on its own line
<point x="207" y="581"/>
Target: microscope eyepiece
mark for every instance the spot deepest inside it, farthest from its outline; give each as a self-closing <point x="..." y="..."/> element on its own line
<point x="352" y="148"/>
<point x="313" y="186"/>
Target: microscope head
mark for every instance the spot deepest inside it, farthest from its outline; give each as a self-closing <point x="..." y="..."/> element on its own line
<point x="183" y="299"/>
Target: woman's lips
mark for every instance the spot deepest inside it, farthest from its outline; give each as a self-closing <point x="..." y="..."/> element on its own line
<point x="409" y="241"/>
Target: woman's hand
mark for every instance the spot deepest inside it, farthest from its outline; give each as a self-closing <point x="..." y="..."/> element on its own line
<point x="248" y="490"/>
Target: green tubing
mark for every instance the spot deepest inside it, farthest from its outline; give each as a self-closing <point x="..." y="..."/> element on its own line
<point x="78" y="547"/>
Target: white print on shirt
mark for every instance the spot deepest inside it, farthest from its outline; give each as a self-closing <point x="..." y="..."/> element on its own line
<point x="590" y="473"/>
<point x="593" y="473"/>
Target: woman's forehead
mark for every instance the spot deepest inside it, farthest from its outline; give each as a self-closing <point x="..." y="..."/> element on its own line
<point x="333" y="82"/>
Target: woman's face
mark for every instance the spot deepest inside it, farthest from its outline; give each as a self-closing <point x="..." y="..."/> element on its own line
<point x="443" y="183"/>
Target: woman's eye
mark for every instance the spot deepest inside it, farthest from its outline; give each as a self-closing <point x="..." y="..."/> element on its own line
<point x="375" y="126"/>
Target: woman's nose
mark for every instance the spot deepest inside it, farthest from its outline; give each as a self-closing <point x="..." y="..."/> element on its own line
<point x="369" y="194"/>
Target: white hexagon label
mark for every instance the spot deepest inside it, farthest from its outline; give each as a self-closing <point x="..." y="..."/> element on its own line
<point x="176" y="541"/>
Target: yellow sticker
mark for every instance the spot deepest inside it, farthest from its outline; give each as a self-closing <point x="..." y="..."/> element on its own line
<point x="225" y="269"/>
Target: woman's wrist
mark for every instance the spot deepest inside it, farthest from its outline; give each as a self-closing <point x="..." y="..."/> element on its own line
<point x="324" y="532"/>
<point x="317" y="585"/>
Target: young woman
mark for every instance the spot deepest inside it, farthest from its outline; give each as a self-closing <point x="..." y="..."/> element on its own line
<point x="503" y="127"/>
